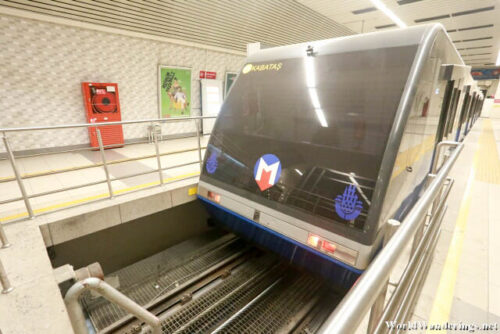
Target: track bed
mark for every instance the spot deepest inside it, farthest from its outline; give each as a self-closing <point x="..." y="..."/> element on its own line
<point x="216" y="284"/>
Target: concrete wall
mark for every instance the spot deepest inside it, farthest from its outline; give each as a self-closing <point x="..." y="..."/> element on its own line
<point x="124" y="244"/>
<point x="43" y="65"/>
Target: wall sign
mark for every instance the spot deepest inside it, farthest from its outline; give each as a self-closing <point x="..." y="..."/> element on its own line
<point x="485" y="73"/>
<point x="174" y="91"/>
<point x="208" y="75"/>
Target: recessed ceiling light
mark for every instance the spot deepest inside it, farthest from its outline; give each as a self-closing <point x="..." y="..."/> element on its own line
<point x="382" y="7"/>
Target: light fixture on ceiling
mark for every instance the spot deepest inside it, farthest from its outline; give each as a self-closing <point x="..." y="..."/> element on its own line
<point x="389" y="13"/>
<point x="498" y="59"/>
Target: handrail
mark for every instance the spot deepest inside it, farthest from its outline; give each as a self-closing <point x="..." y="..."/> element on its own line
<point x="114" y="296"/>
<point x="104" y="163"/>
<point x="355" y="305"/>
<point x="89" y="125"/>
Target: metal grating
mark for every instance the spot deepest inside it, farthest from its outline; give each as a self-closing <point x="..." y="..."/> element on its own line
<point x="144" y="281"/>
<point x="278" y="308"/>
<point x="260" y="295"/>
<point x="218" y="303"/>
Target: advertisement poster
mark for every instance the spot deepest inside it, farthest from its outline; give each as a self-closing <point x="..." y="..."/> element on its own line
<point x="230" y="77"/>
<point x="175" y="91"/>
<point x="485" y="73"/>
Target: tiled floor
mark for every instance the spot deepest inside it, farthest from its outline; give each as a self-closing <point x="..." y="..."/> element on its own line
<point x="463" y="284"/>
<point x="69" y="174"/>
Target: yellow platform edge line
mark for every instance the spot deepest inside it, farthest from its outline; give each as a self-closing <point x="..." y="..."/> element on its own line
<point x="99" y="196"/>
<point x="443" y="300"/>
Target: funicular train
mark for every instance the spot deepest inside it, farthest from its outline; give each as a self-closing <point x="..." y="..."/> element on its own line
<point x="318" y="144"/>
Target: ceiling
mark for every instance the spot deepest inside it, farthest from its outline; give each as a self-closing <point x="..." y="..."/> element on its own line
<point x="227" y="24"/>
<point x="473" y="25"/>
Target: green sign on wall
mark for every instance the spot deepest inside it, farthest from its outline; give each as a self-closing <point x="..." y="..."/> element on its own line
<point x="175" y="91"/>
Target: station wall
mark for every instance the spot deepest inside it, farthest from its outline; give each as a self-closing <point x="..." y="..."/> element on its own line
<point x="44" y="63"/>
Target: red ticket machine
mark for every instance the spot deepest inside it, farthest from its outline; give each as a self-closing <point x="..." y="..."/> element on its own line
<point x="102" y="106"/>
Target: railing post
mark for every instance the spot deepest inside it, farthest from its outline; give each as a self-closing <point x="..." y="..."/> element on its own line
<point x="434" y="168"/>
<point x="104" y="164"/>
<point x="18" y="176"/>
<point x="4" y="280"/>
<point x="3" y="238"/>
<point x="158" y="160"/>
<point x="198" y="135"/>
<point x="378" y="306"/>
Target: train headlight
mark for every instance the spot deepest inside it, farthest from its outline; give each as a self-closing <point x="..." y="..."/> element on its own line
<point x="313" y="241"/>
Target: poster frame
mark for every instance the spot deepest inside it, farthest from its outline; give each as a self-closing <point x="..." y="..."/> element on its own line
<point x="160" y="67"/>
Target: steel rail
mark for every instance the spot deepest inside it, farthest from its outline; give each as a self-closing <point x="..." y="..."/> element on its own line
<point x="355" y="305"/>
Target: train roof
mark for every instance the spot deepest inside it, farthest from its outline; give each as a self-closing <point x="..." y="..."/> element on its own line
<point x="414" y="35"/>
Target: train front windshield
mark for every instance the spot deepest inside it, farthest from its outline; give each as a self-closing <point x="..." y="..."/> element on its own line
<point x="306" y="136"/>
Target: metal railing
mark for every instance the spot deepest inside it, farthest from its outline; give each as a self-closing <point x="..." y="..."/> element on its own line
<point x="26" y="197"/>
<point x="422" y="225"/>
<point x="4" y="280"/>
<point x="114" y="296"/>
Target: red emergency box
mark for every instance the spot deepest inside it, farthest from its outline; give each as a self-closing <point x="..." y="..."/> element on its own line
<point x="102" y="106"/>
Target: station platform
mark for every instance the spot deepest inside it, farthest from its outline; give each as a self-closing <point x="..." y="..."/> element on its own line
<point x="45" y="173"/>
<point x="36" y="304"/>
<point x="463" y="284"/>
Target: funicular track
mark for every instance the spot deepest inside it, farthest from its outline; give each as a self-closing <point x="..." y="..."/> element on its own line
<point x="216" y="284"/>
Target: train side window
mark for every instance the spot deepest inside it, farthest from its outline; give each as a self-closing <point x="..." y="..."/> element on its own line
<point x="453" y="112"/>
<point x="443" y="118"/>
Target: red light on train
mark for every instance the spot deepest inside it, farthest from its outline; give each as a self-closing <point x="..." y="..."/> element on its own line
<point x="313" y="240"/>
<point x="213" y="197"/>
<point x="328" y="247"/>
